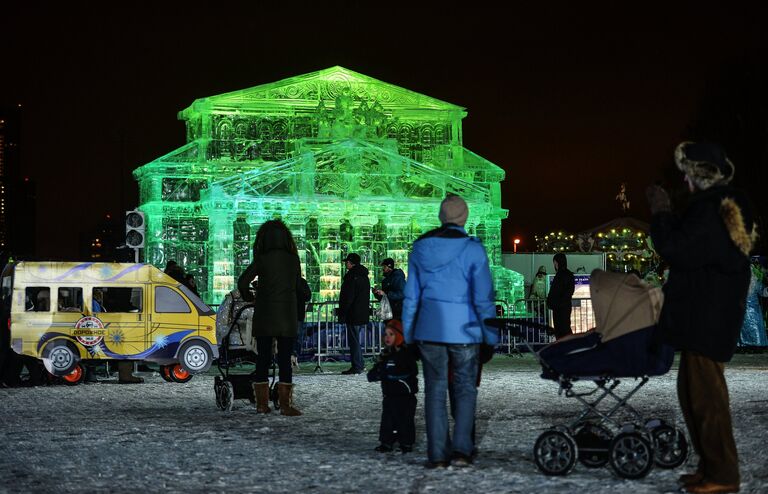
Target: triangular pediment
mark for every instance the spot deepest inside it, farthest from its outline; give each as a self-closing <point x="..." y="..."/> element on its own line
<point x="324" y="86"/>
<point x="350" y="169"/>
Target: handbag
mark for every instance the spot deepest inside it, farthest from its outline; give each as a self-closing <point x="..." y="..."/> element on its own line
<point x="385" y="309"/>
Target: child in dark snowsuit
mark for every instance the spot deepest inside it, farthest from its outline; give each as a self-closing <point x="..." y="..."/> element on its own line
<point x="397" y="371"/>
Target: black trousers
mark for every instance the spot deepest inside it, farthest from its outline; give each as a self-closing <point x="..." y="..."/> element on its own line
<point x="264" y="358"/>
<point x="561" y="318"/>
<point x="398" y="420"/>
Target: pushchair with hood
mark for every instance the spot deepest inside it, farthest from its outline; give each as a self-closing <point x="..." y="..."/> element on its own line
<point x="234" y="322"/>
<point x="624" y="345"/>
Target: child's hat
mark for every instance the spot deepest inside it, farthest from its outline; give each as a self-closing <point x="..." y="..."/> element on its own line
<point x="397" y="327"/>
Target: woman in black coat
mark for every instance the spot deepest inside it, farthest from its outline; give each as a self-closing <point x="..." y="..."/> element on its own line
<point x="276" y="264"/>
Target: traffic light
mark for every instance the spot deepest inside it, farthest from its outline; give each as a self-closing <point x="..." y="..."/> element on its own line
<point x="134" y="229"/>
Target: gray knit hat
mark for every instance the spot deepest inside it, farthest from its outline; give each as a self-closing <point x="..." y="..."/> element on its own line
<point x="454" y="210"/>
<point x="704" y="163"/>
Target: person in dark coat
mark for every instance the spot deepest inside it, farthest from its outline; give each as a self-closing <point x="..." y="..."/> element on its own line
<point x="354" y="308"/>
<point x="397" y="370"/>
<point x="276" y="263"/>
<point x="393" y="286"/>
<point x="707" y="248"/>
<point x="303" y="295"/>
<point x="175" y="271"/>
<point x="560" y="294"/>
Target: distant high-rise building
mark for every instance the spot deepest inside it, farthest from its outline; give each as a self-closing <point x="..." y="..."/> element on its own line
<point x="17" y="192"/>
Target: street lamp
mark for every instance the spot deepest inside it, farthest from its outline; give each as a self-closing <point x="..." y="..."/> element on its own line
<point x="516" y="242"/>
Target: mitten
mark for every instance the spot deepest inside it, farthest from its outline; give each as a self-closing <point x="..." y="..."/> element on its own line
<point x="658" y="199"/>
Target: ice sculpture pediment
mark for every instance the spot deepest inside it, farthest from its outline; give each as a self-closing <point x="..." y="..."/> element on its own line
<point x="327" y="86"/>
<point x="349" y="169"/>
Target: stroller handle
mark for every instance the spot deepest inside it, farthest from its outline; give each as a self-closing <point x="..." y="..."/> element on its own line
<point x="515" y="325"/>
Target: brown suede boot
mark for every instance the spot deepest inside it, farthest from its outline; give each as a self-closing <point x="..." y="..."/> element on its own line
<point x="261" y="393"/>
<point x="285" y="395"/>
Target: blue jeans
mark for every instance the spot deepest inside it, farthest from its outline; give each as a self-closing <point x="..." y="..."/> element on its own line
<point x="464" y="362"/>
<point x="355" y="352"/>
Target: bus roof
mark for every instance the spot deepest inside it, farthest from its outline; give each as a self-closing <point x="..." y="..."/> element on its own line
<point x="88" y="272"/>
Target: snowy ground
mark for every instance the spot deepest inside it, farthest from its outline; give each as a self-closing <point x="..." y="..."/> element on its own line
<point x="168" y="437"/>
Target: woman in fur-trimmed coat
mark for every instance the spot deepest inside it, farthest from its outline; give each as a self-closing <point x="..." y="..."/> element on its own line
<point x="707" y="248"/>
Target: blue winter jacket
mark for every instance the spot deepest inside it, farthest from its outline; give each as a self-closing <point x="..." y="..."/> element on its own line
<point x="449" y="290"/>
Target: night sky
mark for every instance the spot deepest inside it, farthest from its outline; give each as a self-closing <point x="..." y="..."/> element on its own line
<point x="570" y="102"/>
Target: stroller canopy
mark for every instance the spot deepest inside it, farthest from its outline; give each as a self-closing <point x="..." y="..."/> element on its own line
<point x="623" y="303"/>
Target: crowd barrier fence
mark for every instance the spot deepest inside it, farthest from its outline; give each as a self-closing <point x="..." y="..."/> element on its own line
<point x="326" y="340"/>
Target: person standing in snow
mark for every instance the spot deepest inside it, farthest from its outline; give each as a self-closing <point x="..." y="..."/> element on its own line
<point x="398" y="372"/>
<point x="448" y="296"/>
<point x="354" y="303"/>
<point x="560" y="295"/>
<point x="393" y="286"/>
<point x="707" y="248"/>
<point x="276" y="263"/>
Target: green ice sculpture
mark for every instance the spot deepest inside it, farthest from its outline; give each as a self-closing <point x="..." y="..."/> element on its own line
<point x="349" y="163"/>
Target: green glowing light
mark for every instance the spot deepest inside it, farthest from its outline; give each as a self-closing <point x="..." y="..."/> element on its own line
<point x="349" y="163"/>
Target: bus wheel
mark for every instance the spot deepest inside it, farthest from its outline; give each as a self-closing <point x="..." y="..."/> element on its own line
<point x="60" y="358"/>
<point x="75" y="377"/>
<point x="195" y="357"/>
<point x="178" y="374"/>
<point x="165" y="373"/>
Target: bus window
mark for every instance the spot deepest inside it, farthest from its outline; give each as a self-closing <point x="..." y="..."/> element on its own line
<point x="167" y="300"/>
<point x="117" y="299"/>
<point x="37" y="299"/>
<point x="70" y="299"/>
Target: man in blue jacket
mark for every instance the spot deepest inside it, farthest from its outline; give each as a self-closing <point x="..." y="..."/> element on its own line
<point x="448" y="295"/>
<point x="393" y="286"/>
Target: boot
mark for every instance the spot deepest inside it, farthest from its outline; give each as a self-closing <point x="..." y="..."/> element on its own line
<point x="261" y="393"/>
<point x="125" y="373"/>
<point x="285" y="395"/>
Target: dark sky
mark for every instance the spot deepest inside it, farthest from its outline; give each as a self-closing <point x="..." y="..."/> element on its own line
<point x="569" y="101"/>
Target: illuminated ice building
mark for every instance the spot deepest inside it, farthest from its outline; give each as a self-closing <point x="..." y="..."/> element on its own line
<point x="349" y="163"/>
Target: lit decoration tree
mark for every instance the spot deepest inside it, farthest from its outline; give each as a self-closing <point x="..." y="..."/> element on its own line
<point x="626" y="248"/>
<point x="350" y="163"/>
<point x="556" y="242"/>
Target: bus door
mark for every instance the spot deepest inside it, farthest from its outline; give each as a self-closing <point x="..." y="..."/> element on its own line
<point x="121" y="312"/>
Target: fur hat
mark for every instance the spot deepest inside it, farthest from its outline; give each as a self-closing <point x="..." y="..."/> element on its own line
<point x="397" y="328"/>
<point x="704" y="163"/>
<point x="454" y="210"/>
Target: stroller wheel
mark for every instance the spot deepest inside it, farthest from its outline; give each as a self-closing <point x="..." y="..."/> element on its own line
<point x="274" y="396"/>
<point x="670" y="446"/>
<point x="555" y="452"/>
<point x="225" y="394"/>
<point x="593" y="441"/>
<point x="631" y="455"/>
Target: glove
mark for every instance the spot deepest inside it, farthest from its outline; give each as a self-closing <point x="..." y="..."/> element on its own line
<point x="658" y="199"/>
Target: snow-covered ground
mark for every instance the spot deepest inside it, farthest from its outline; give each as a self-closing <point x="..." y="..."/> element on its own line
<point x="163" y="437"/>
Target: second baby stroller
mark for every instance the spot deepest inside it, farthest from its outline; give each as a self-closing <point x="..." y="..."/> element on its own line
<point x="236" y="348"/>
<point x="624" y="345"/>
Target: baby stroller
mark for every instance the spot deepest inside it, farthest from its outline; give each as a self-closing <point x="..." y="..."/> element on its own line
<point x="624" y="345"/>
<point x="233" y="331"/>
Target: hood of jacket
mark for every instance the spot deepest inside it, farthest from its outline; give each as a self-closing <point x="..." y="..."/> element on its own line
<point x="434" y="253"/>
